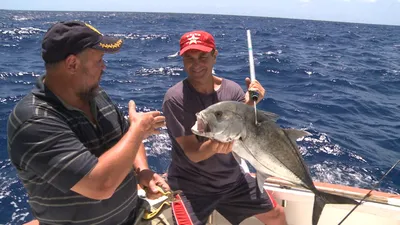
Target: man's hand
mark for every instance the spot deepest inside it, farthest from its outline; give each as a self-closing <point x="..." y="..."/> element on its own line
<point x="253" y="86"/>
<point x="148" y="123"/>
<point x="149" y="180"/>
<point x="221" y="147"/>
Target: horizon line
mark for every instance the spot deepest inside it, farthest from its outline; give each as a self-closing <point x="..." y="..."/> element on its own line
<point x="199" y="13"/>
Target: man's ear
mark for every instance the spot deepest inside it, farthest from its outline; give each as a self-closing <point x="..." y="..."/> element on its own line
<point x="71" y="64"/>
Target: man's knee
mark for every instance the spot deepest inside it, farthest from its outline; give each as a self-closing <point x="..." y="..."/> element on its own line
<point x="276" y="216"/>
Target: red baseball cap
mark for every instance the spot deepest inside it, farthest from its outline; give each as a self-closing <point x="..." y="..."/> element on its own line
<point x="198" y="39"/>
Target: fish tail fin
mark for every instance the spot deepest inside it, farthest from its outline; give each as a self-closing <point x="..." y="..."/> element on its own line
<point x="322" y="198"/>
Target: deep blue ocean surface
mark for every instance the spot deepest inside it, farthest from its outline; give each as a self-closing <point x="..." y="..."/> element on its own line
<point x="340" y="81"/>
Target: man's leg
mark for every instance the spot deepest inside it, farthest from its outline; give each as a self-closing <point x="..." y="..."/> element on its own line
<point x="245" y="200"/>
<point x="198" y="208"/>
<point x="276" y="216"/>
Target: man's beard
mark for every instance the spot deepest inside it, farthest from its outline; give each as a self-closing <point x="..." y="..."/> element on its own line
<point x="90" y="94"/>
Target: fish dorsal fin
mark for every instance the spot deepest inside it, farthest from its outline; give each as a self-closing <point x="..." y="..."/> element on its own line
<point x="264" y="115"/>
<point x="260" y="180"/>
<point x="294" y="134"/>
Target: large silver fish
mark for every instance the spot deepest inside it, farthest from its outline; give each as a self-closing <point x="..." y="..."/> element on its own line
<point x="270" y="149"/>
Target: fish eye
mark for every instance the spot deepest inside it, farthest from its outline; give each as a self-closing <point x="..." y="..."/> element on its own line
<point x="218" y="114"/>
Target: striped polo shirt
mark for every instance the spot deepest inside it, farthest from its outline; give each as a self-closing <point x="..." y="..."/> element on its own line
<point x="53" y="146"/>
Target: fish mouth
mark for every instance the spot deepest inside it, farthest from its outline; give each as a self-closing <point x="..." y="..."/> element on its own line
<point x="202" y="126"/>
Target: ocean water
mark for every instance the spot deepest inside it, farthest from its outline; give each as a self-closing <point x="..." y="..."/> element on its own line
<point x="340" y="81"/>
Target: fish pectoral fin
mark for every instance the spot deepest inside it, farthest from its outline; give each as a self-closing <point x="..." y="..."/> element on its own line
<point x="237" y="157"/>
<point x="260" y="179"/>
<point x="294" y="134"/>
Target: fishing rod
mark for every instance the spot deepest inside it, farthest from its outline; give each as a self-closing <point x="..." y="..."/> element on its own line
<point x="369" y="193"/>
<point x="253" y="94"/>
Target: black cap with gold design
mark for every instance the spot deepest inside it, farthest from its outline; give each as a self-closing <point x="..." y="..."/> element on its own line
<point x="66" y="38"/>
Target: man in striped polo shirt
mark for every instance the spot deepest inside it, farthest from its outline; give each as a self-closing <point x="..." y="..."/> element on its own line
<point x="74" y="151"/>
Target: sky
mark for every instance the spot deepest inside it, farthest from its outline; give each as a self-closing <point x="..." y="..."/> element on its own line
<point x="359" y="11"/>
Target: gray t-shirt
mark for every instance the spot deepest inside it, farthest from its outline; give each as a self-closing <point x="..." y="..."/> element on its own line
<point x="215" y="174"/>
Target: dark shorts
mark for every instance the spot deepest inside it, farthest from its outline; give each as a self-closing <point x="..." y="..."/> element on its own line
<point x="241" y="202"/>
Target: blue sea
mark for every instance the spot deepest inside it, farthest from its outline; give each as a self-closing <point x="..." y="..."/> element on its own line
<point x="339" y="81"/>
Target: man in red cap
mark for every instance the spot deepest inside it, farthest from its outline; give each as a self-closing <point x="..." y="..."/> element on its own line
<point x="72" y="147"/>
<point x="205" y="170"/>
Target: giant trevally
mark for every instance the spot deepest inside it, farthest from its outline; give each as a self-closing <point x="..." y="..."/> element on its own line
<point x="270" y="149"/>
